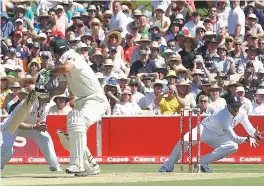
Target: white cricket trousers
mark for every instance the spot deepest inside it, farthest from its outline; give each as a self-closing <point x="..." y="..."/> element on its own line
<point x="223" y="145"/>
<point x="85" y="113"/>
<point x="42" y="139"/>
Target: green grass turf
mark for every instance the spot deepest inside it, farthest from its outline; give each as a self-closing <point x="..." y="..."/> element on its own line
<point x="16" y="170"/>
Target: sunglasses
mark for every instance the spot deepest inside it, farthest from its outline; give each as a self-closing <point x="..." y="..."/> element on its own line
<point x="114" y="37"/>
<point x="95" y="24"/>
<point x="107" y="17"/>
<point x="261" y="43"/>
<point x="199" y="31"/>
<point x="203" y="101"/>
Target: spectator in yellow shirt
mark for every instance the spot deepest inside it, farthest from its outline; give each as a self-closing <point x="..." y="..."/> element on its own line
<point x="169" y="102"/>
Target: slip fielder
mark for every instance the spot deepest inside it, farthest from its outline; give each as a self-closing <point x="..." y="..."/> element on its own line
<point x="217" y="132"/>
<point x="90" y="106"/>
<point x="32" y="129"/>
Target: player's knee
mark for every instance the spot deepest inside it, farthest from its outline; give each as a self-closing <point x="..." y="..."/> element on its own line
<point x="234" y="147"/>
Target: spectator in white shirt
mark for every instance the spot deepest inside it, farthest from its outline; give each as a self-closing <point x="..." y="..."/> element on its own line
<point x="191" y="25"/>
<point x="236" y="20"/>
<point x="119" y="64"/>
<point x="251" y="56"/>
<point x="154" y="54"/>
<point x="136" y="96"/>
<point x="125" y="106"/>
<point x="215" y="100"/>
<point x="223" y="10"/>
<point x="61" y="107"/>
<point x="252" y="22"/>
<point x="246" y="103"/>
<point x="258" y="105"/>
<point x="119" y="20"/>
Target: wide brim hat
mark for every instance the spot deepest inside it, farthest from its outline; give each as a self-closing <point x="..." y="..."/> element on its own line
<point x="161" y="69"/>
<point x="144" y="38"/>
<point x="157" y="81"/>
<point x="233" y="82"/>
<point x="28" y="77"/>
<point x="197" y="72"/>
<point x="108" y="62"/>
<point x="83" y="45"/>
<point x="119" y="38"/>
<point x="221" y="75"/>
<point x="171" y="73"/>
<point x="183" y="82"/>
<point x="194" y="40"/>
<point x="172" y="58"/>
<point x="259" y="91"/>
<point x="215" y="87"/>
<point x="62" y="96"/>
<point x="10" y="79"/>
<point x="34" y="61"/>
<point x="168" y="52"/>
<point x="20" y="7"/>
<point x="180" y="70"/>
<point x="97" y="53"/>
<point x="107" y="12"/>
<point x="252" y="16"/>
<point x="200" y="26"/>
<point x="15" y="85"/>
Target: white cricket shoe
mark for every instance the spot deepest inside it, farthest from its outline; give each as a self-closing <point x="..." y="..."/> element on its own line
<point x="56" y="169"/>
<point x="95" y="170"/>
<point x="72" y="169"/>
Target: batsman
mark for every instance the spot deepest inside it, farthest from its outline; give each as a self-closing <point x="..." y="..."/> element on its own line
<point x="217" y="131"/>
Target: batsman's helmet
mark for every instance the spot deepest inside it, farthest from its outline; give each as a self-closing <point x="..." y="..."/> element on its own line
<point x="59" y="44"/>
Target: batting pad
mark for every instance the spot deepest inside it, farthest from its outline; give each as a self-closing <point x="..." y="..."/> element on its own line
<point x="20" y="112"/>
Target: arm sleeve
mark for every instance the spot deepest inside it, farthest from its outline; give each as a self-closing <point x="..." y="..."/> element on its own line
<point x="233" y="136"/>
<point x="247" y="125"/>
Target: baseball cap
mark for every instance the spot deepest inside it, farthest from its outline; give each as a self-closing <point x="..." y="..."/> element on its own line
<point x="144" y="52"/>
<point x="59" y="44"/>
<point x="42" y="35"/>
<point x="19" y="20"/>
<point x="36" y="45"/>
<point x="240" y="89"/>
<point x="234" y="101"/>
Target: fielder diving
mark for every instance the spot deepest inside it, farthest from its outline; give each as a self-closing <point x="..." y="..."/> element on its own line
<point x="217" y="132"/>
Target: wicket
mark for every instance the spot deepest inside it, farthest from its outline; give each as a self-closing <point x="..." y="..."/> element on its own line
<point x="198" y="120"/>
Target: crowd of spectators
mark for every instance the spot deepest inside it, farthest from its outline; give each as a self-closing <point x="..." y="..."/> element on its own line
<point x="151" y="57"/>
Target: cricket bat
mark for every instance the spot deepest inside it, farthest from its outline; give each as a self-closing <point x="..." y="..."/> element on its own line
<point x="21" y="112"/>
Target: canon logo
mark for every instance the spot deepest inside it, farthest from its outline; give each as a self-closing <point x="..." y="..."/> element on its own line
<point x="163" y="159"/>
<point x="118" y="159"/>
<point x="99" y="159"/>
<point x="38" y="160"/>
<point x="64" y="160"/>
<point x="144" y="159"/>
<point x="250" y="159"/>
<point x="20" y="141"/>
<point x="232" y="159"/>
<point x="16" y="160"/>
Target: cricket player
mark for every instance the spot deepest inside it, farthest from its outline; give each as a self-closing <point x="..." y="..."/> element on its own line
<point x="217" y="132"/>
<point x="90" y="105"/>
<point x="33" y="127"/>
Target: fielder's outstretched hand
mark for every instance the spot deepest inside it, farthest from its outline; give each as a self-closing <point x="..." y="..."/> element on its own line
<point x="253" y="142"/>
<point x="258" y="134"/>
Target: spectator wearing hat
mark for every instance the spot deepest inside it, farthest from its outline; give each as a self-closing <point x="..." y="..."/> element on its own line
<point x="12" y="68"/>
<point x="181" y="21"/>
<point x="210" y="56"/>
<point x="43" y="41"/>
<point x="208" y="25"/>
<point x="148" y="102"/>
<point x="4" y="88"/>
<point x="96" y="31"/>
<point x="97" y="60"/>
<point x="187" y="53"/>
<point x="43" y="19"/>
<point x="252" y="22"/>
<point x="114" y="39"/>
<point x="205" y="85"/>
<point x="92" y="11"/>
<point x="13" y="56"/>
<point x="185" y="92"/>
<point x="20" y="12"/>
<point x="192" y="24"/>
<point x="143" y="26"/>
<point x="159" y="19"/>
<point x="174" y="62"/>
<point x="169" y="102"/>
<point x="260" y="52"/>
<point x="35" y="52"/>
<point x="222" y="33"/>
<point x="136" y="95"/>
<point x="236" y="20"/>
<point x="215" y="100"/>
<point x="11" y="98"/>
<point x="133" y="29"/>
<point x="145" y="82"/>
<point x="204" y="106"/>
<point x="258" y="104"/>
<point x="179" y="38"/>
<point x="238" y="54"/>
<point x="107" y="20"/>
<point x="231" y="88"/>
<point x="125" y="107"/>
<point x="260" y="76"/>
<point x="246" y="103"/>
<point x="223" y="10"/>
<point x="87" y="38"/>
<point x="199" y="34"/>
<point x="144" y="65"/>
<point x="7" y="27"/>
<point x="84" y="51"/>
<point x="221" y="82"/>
<point x="72" y="40"/>
<point x="208" y="35"/>
<point x="229" y="43"/>
<point x="251" y="56"/>
<point x="223" y="63"/>
<point x="197" y="75"/>
<point x="33" y="68"/>
<point x="122" y="81"/>
<point x="119" y="64"/>
<point x="46" y="60"/>
<point x="76" y="18"/>
<point x="61" y="106"/>
<point x="27" y="82"/>
<point x="61" y="19"/>
<point x="154" y="54"/>
<point x="161" y="73"/>
<point x="119" y="20"/>
<point x="161" y="41"/>
<point x="129" y="47"/>
<point x="112" y="93"/>
<point x="54" y="30"/>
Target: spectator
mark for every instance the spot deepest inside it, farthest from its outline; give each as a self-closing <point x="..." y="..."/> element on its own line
<point x="43" y="41"/>
<point x="171" y="77"/>
<point x="13" y="56"/>
<point x="222" y="33"/>
<point x="252" y="53"/>
<point x="223" y="10"/>
<point x="215" y="100"/>
<point x="204" y="106"/>
<point x="20" y="13"/>
<point x="122" y="81"/>
<point x="171" y="44"/>
<point x="118" y="20"/>
<point x="46" y="60"/>
<point x="5" y="81"/>
<point x="221" y="82"/>
<point x="204" y="89"/>
<point x="43" y="19"/>
<point x="76" y="18"/>
<point x="185" y="92"/>
<point x="161" y="73"/>
<point x="192" y="24"/>
<point x="174" y="62"/>
<point x="96" y="31"/>
<point x="184" y="73"/>
<point x="12" y="68"/>
<point x="231" y="88"/>
<point x="27" y="82"/>
<point x="61" y="19"/>
<point x="215" y="20"/>
<point x="97" y="60"/>
<point x="208" y="35"/>
<point x="7" y="27"/>
<point x="54" y="31"/>
<point x="33" y="68"/>
<point x="199" y="34"/>
<point x="211" y="55"/>
<point x="237" y="54"/>
<point x="258" y="105"/>
<point x="119" y="64"/>
<point x="84" y="51"/>
<point x="154" y="54"/>
<point x="246" y="103"/>
<point x="208" y="25"/>
<point x="108" y="69"/>
<point x="72" y="40"/>
<point x="260" y="52"/>
<point x="107" y="20"/>
<point x="114" y="39"/>
<point x="252" y="22"/>
<point x="229" y="43"/>
<point x="145" y="87"/>
<point x="144" y="65"/>
<point x="129" y="47"/>
<point x="197" y="81"/>
<point x="143" y="26"/>
<point x="35" y="52"/>
<point x="169" y="102"/>
<point x="143" y="43"/>
<point x="61" y="107"/>
<point x="136" y="96"/>
<point x="125" y="107"/>
<point x="12" y="98"/>
<point x="236" y="20"/>
<point x="133" y="29"/>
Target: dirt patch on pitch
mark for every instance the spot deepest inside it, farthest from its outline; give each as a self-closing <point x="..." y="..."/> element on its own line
<point x="109" y="178"/>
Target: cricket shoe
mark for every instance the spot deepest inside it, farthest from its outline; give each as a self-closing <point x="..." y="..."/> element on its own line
<point x="94" y="170"/>
<point x="206" y="169"/>
<point x="165" y="169"/>
<point x="72" y="169"/>
<point x="56" y="169"/>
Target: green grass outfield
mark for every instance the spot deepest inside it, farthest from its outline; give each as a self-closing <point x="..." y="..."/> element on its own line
<point x="136" y="174"/>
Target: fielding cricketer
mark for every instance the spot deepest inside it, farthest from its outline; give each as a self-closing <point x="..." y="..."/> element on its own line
<point x="217" y="132"/>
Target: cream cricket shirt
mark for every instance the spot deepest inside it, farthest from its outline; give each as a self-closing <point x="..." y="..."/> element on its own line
<point x="81" y="80"/>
